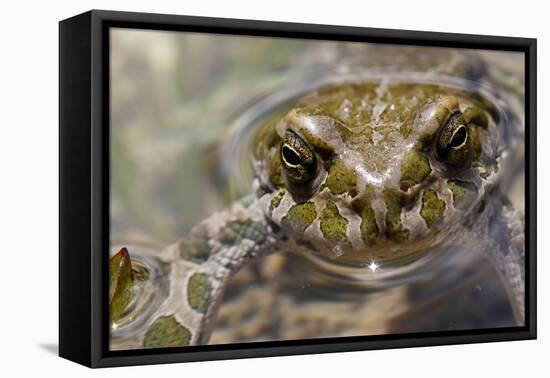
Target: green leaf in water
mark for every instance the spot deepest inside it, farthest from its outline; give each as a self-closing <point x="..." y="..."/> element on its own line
<point x="121" y="281"/>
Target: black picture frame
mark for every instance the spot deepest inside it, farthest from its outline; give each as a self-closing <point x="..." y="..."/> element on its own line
<point x="84" y="187"/>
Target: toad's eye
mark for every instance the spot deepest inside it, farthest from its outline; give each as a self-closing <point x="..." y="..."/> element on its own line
<point x="299" y="162"/>
<point x="454" y="145"/>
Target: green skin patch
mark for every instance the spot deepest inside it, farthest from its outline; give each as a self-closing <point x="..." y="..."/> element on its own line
<point x="333" y="225"/>
<point x="432" y="207"/>
<point x="300" y="216"/>
<point x="166" y="332"/>
<point x="235" y="231"/>
<point x="199" y="290"/>
<point x="354" y="93"/>
<point x="415" y="167"/>
<point x="340" y="179"/>
<point x="369" y="228"/>
<point x="319" y="145"/>
<point x="276" y="200"/>
<point x="195" y="250"/>
<point x="476" y="116"/>
<point x="462" y="192"/>
<point x="441" y="114"/>
<point x="394" y="227"/>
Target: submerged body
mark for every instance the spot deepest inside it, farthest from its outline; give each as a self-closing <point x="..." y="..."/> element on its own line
<point x="376" y="173"/>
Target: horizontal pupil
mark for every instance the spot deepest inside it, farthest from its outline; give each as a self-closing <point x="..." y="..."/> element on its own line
<point x="291" y="157"/>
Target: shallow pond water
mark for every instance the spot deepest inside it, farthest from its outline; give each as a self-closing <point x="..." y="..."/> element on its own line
<point x="180" y="135"/>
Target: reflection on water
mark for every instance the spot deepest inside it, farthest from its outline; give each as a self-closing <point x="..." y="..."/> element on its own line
<point x="291" y="297"/>
<point x="273" y="299"/>
<point x="180" y="137"/>
<point x="149" y="291"/>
